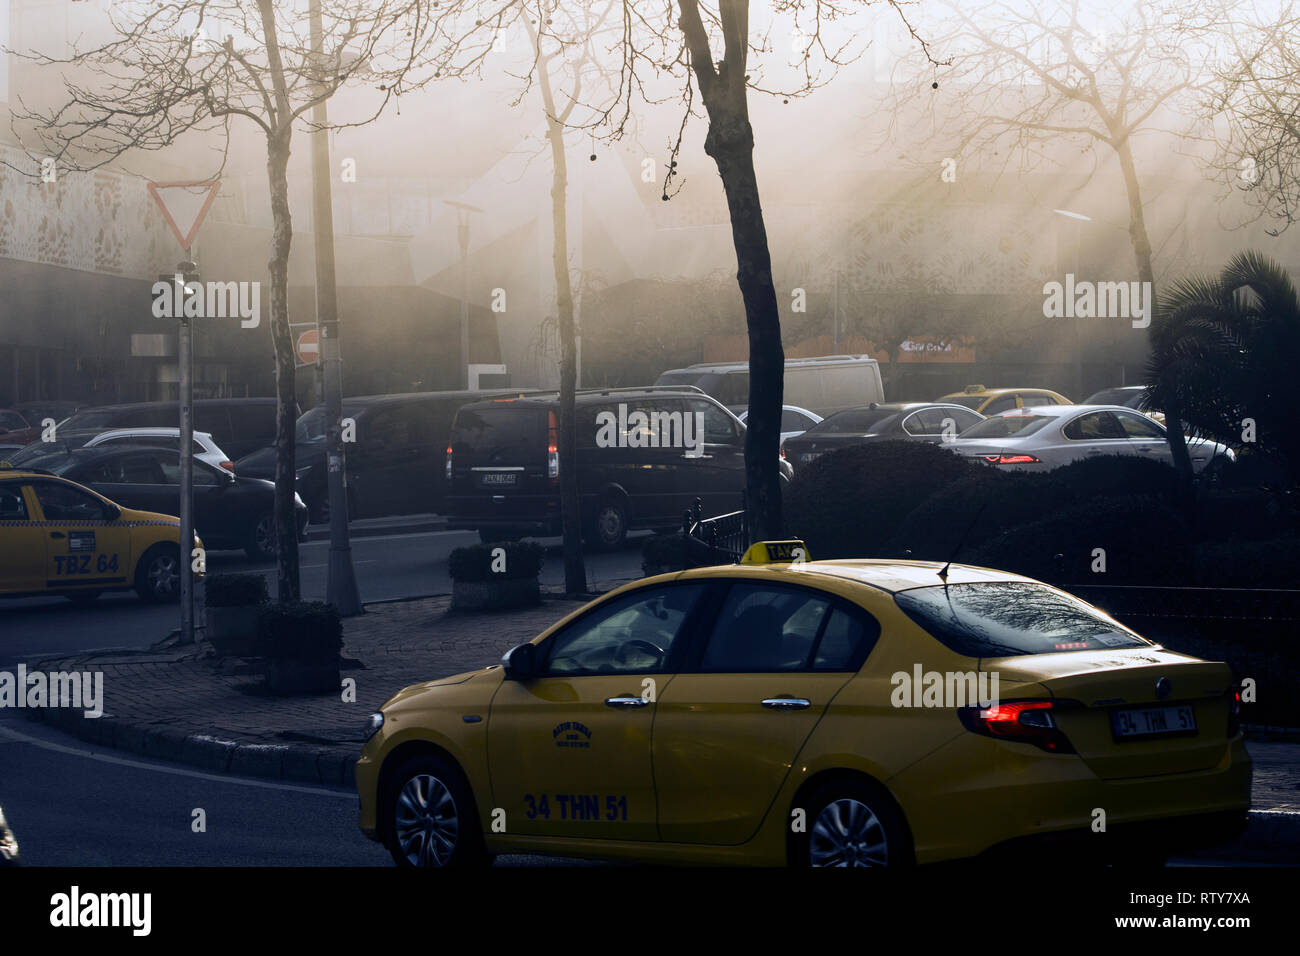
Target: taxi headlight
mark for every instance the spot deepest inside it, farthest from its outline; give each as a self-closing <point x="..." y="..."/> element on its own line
<point x="372" y="726"/>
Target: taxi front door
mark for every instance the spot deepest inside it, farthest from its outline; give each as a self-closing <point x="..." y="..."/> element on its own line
<point x="85" y="546"/>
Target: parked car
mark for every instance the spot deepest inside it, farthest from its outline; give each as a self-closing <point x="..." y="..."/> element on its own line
<point x="991" y="401"/>
<point x="825" y="385"/>
<point x="14" y="428"/>
<point x="59" y="538"/>
<point x="1130" y="396"/>
<point x="238" y="425"/>
<point x="230" y="511"/>
<point x="204" y="446"/>
<point x="396" y="465"/>
<point x="8" y="843"/>
<point x="779" y="698"/>
<point x="908" y="421"/>
<point x="794" y="420"/>
<point x="1046" y="437"/>
<point x="504" y="470"/>
<point x="38" y="412"/>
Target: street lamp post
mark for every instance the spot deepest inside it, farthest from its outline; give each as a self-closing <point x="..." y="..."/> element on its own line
<point x="1079" y="219"/>
<point x="462" y="235"/>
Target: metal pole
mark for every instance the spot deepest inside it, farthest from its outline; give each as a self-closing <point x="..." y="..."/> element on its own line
<point x="341" y="582"/>
<point x="462" y="233"/>
<point x="185" y="359"/>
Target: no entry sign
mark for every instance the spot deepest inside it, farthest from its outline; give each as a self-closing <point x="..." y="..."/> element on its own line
<point x="308" y="347"/>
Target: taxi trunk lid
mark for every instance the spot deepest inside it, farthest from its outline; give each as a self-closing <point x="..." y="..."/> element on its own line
<point x="1151" y="687"/>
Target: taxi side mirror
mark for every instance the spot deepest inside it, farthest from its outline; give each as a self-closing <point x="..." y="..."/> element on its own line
<point x="520" y="663"/>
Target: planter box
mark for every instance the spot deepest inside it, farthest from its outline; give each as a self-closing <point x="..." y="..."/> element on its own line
<point x="491" y="595"/>
<point x="232" y="630"/>
<point x="287" y="677"/>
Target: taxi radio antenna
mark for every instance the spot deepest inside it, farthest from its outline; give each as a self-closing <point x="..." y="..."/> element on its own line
<point x="961" y="543"/>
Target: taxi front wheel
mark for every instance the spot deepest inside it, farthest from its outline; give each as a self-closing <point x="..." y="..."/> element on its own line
<point x="850" y="822"/>
<point x="431" y="820"/>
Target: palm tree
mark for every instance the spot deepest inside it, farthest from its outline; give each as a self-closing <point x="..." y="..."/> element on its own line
<point x="1224" y="351"/>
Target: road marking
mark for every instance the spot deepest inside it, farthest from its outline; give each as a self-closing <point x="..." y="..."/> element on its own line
<point x="177" y="771"/>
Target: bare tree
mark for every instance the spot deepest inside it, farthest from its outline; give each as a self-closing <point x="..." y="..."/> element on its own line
<point x="1026" y="79"/>
<point x="161" y="77"/>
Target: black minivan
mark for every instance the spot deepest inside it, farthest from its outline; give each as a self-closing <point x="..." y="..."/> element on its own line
<point x="237" y="425"/>
<point x="395" y="458"/>
<point x="644" y="454"/>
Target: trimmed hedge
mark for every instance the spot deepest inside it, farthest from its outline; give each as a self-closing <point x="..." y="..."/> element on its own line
<point x="299" y="631"/>
<point x="1144" y="542"/>
<point x="234" y="590"/>
<point x="1271" y="563"/>
<point x="850" y="503"/>
<point x="523" y="559"/>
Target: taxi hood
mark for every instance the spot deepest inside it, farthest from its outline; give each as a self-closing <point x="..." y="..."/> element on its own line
<point x="414" y="690"/>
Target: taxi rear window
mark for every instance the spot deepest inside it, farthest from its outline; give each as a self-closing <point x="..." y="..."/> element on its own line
<point x="1012" y="618"/>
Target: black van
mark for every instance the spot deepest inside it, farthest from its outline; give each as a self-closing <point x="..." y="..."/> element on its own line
<point x="641" y="462"/>
<point x="394" y="463"/>
<point x="237" y="425"/>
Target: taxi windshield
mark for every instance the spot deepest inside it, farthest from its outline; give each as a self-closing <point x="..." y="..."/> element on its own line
<point x="1011" y="618"/>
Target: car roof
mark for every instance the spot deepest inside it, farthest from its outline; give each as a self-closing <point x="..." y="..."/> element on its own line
<point x="165" y="431"/>
<point x="883" y="574"/>
<point x="205" y="402"/>
<point x="592" y="396"/>
<point x="1063" y="410"/>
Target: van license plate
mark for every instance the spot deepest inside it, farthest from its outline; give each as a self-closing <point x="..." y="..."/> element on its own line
<point x="499" y="479"/>
<point x="1152" y="721"/>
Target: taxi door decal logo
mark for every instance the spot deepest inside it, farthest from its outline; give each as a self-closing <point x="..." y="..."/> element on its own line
<point x="572" y="733"/>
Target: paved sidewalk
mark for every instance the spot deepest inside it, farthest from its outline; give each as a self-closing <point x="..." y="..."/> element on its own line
<point x="183" y="705"/>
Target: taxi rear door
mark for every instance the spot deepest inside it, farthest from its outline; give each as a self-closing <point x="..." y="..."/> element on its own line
<point x="729" y="727"/>
<point x="85" y="543"/>
<point x="22" y="543"/>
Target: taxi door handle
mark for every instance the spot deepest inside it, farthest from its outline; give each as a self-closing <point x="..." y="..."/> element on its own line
<point x="787" y="703"/>
<point x="626" y="702"/>
<point x="56" y="534"/>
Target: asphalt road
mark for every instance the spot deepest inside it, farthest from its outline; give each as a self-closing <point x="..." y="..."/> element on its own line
<point x="388" y="567"/>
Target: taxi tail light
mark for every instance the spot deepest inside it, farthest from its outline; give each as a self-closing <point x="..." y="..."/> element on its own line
<point x="552" y="446"/>
<point x="1234" y="712"/>
<point x="1012" y="459"/>
<point x="1023" y="721"/>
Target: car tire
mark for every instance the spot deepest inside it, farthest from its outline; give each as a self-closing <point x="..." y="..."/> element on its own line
<point x="259" y="544"/>
<point x="850" y="821"/>
<point x="608" y="527"/>
<point x="158" y="574"/>
<point x="428" y="798"/>
<point x="83" y="598"/>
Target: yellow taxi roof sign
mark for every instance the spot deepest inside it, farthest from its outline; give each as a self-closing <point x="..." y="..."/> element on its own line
<point x="776" y="552"/>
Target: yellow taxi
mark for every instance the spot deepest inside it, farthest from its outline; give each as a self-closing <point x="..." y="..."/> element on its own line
<point x="990" y="401"/>
<point x="825" y="713"/>
<point x="58" y="537"/>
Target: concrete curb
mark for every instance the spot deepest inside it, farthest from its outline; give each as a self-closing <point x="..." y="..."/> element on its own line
<point x="318" y="532"/>
<point x="302" y="763"/>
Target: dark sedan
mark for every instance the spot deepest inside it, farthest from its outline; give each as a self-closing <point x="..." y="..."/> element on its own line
<point x="910" y="421"/>
<point x="230" y="511"/>
<point x="16" y="430"/>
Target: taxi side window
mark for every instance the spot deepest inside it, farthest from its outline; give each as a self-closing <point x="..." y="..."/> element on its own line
<point x="65" y="503"/>
<point x="12" y="505"/>
<point x="1000" y="405"/>
<point x="634" y="634"/>
<point x="763" y="628"/>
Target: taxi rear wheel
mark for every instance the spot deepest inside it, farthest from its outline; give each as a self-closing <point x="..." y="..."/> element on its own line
<point x="850" y="822"/>
<point x="158" y="575"/>
<point x="431" y="820"/>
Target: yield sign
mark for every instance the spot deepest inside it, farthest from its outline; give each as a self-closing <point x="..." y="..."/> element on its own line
<point x="184" y="205"/>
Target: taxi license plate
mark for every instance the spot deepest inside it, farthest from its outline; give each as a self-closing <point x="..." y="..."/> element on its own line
<point x="1153" y="721"/>
<point x="499" y="479"/>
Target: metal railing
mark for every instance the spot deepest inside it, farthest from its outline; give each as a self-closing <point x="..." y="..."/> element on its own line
<point x="724" y="536"/>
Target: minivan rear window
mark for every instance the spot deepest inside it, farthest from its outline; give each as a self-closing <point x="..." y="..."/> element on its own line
<point x="1012" y="618"/>
<point x="500" y="434"/>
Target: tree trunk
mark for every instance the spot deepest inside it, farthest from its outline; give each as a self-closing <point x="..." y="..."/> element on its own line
<point x="1137" y="230"/>
<point x="286" y="528"/>
<point x="730" y="142"/>
<point x="575" y="571"/>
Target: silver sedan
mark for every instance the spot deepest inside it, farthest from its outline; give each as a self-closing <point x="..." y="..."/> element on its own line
<point x="1047" y="436"/>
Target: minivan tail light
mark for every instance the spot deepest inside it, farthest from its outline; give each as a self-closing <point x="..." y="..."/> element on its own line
<point x="552" y="446"/>
<point x="449" y="463"/>
<point x="1023" y="721"/>
<point x="229" y="466"/>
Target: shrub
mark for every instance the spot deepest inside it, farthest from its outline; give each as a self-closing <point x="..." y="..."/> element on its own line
<point x="850" y="503"/>
<point x="664" y="552"/>
<point x="299" y="631"/>
<point x="1249" y="564"/>
<point x="1111" y="476"/>
<point x="1144" y="542"/>
<point x="979" y="508"/>
<point x="523" y="559"/>
<point x="234" y="590"/>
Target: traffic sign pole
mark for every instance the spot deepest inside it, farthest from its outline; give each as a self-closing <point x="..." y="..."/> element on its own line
<point x="185" y="356"/>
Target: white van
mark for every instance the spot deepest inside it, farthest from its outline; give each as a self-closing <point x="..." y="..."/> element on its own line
<point x="825" y="385"/>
